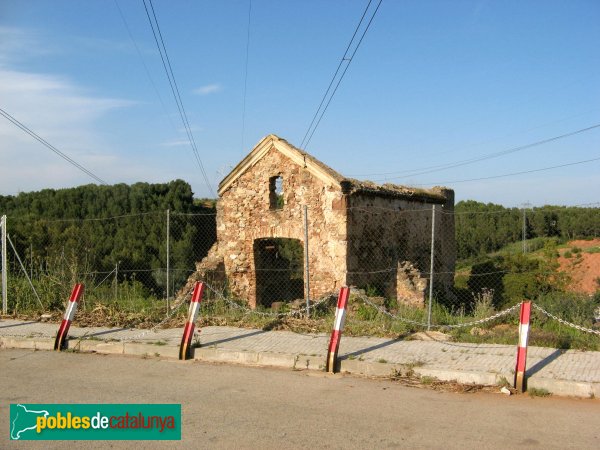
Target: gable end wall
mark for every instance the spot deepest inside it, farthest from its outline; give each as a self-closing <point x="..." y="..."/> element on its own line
<point x="243" y="215"/>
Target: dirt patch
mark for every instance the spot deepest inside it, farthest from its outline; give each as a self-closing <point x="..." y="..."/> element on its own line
<point x="591" y="243"/>
<point x="582" y="263"/>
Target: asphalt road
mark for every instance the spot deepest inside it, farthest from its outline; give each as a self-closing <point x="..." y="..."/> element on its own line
<point x="225" y="406"/>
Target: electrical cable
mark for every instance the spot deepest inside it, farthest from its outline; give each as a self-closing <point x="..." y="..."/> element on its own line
<point x="512" y="173"/>
<point x="51" y="147"/>
<point x="493" y="155"/>
<point x="309" y="134"/>
<point x="175" y="89"/>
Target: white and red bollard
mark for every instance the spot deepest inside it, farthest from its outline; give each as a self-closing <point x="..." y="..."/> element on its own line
<point x="520" y="381"/>
<point x="188" y="331"/>
<point x="338" y="326"/>
<point x="60" y="342"/>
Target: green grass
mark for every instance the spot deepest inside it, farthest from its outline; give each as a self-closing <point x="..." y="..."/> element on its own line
<point x="137" y="308"/>
<point x="533" y="245"/>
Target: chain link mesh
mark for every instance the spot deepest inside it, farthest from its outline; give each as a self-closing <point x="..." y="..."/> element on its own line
<point x="472" y="264"/>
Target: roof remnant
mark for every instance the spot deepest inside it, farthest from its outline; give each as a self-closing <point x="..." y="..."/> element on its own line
<point x="349" y="186"/>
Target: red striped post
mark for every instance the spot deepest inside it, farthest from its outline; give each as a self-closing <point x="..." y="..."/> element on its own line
<point x="338" y="326"/>
<point x="60" y="342"/>
<point x="520" y="382"/>
<point x="188" y="331"/>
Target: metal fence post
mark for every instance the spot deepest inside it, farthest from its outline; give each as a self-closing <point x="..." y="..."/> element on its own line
<point x="168" y="258"/>
<point x="306" y="266"/>
<point x="524" y="227"/>
<point x="117" y="281"/>
<point x="4" y="268"/>
<point x="24" y="270"/>
<point x="431" y="267"/>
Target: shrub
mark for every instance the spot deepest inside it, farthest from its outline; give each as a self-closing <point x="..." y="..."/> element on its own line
<point x="572" y="307"/>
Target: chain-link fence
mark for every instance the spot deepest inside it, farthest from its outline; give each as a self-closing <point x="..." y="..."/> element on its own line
<point x="429" y="259"/>
<point x="137" y="260"/>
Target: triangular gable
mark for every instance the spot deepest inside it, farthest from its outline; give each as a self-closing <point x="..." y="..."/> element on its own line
<point x="303" y="159"/>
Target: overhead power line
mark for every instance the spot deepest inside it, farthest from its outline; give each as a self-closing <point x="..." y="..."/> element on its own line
<point x="51" y="147"/>
<point x="512" y="173"/>
<point x="456" y="148"/>
<point x="144" y="64"/>
<point x="314" y="124"/>
<point x="465" y="162"/>
<point x="164" y="56"/>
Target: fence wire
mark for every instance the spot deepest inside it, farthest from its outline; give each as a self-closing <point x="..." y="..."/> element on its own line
<point x="467" y="263"/>
<point x="564" y="322"/>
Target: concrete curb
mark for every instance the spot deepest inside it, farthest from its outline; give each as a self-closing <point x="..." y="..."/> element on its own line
<point x="303" y="362"/>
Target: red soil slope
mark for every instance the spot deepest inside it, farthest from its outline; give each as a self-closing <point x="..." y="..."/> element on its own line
<point x="583" y="267"/>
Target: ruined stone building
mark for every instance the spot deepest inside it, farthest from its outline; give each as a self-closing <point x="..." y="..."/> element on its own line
<point x="359" y="233"/>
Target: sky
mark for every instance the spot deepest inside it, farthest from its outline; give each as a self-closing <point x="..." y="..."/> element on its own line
<point x="434" y="87"/>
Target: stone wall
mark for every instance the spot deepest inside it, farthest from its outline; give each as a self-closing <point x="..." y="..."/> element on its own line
<point x="390" y="245"/>
<point x="244" y="215"/>
<point x="359" y="233"/>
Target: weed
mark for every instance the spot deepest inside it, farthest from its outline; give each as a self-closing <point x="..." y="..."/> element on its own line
<point x="484" y="303"/>
<point x="382" y="361"/>
<point x="415" y="363"/>
<point x="503" y="382"/>
<point x="538" y="392"/>
<point x="428" y="380"/>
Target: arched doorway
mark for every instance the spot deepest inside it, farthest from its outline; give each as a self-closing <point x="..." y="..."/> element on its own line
<point x="279" y="270"/>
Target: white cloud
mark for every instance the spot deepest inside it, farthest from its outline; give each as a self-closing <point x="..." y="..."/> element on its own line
<point x="58" y="110"/>
<point x="19" y="44"/>
<point x="208" y="89"/>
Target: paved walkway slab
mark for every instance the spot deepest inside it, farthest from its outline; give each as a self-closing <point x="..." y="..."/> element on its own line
<point x="562" y="372"/>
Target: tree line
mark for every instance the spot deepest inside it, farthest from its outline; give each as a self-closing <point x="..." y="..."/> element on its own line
<point x="483" y="228"/>
<point x="95" y="228"/>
